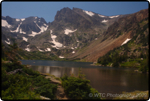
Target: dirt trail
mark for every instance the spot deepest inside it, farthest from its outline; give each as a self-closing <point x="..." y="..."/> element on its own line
<point x="60" y="94"/>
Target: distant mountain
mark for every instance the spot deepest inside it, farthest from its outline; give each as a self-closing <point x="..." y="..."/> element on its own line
<point x="20" y="30"/>
<point x="30" y="26"/>
<point x="72" y="29"/>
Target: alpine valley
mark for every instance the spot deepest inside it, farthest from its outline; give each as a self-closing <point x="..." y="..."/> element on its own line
<point x="77" y="34"/>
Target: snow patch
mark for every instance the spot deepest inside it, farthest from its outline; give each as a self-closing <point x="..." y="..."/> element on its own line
<point x="101" y="15"/>
<point x="22" y="31"/>
<point x="8" y="42"/>
<point x="17" y="30"/>
<point x="51" y="31"/>
<point x="40" y="50"/>
<point x="35" y="17"/>
<point x="44" y="24"/>
<point x="5" y="24"/>
<point x="22" y="19"/>
<point x="113" y="16"/>
<point x="42" y="28"/>
<point x="17" y="19"/>
<point x="53" y="37"/>
<point x="27" y="49"/>
<point x="61" y="57"/>
<point x="67" y="31"/>
<point x="89" y="13"/>
<point x="104" y="21"/>
<point x="73" y="51"/>
<point x="125" y="41"/>
<point x="48" y="49"/>
<point x="72" y="48"/>
<point x="25" y="39"/>
<point x="33" y="34"/>
<point x="56" y="44"/>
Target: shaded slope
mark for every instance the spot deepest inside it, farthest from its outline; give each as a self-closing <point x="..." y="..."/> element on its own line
<point x="116" y="34"/>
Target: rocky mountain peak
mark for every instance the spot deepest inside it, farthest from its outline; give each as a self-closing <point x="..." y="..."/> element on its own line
<point x="71" y="30"/>
<point x="63" y="13"/>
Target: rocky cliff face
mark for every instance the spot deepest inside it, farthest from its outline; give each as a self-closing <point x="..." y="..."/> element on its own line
<point x="21" y="30"/>
<point x="72" y="29"/>
<point x="24" y="26"/>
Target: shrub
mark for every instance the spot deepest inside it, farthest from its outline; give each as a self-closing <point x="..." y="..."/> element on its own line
<point x="12" y="66"/>
<point x="30" y="71"/>
<point x="20" y="86"/>
<point x="47" y="90"/>
<point x="14" y="85"/>
<point x="144" y="66"/>
<point x="44" y="87"/>
<point x="115" y="64"/>
<point x="78" y="87"/>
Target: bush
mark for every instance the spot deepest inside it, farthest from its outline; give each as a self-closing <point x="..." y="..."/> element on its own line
<point x="12" y="66"/>
<point x="144" y="66"/>
<point x="115" y="64"/>
<point x="30" y="71"/>
<point x="47" y="90"/>
<point x="40" y="81"/>
<point x="78" y="87"/>
<point x="14" y="85"/>
<point x="44" y="87"/>
<point x="21" y="86"/>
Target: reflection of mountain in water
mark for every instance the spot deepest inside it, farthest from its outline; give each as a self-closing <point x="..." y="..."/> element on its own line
<point x="56" y="71"/>
<point x="105" y="80"/>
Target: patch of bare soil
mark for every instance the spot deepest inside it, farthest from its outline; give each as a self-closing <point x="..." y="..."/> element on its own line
<point x="60" y="94"/>
<point x="97" y="48"/>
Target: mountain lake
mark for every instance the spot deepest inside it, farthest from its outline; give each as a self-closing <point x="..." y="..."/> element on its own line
<point x="107" y="80"/>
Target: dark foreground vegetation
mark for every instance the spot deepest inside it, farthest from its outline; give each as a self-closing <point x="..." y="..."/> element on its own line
<point x="25" y="83"/>
<point x="134" y="54"/>
<point x="21" y="82"/>
<point x="78" y="87"/>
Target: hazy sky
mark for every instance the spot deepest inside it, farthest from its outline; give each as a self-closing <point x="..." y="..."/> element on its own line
<point x="48" y="10"/>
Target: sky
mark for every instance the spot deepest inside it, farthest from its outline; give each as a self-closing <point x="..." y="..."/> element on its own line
<point x="48" y="10"/>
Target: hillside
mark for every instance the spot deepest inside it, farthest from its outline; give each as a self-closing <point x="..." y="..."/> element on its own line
<point x="128" y="27"/>
<point x="133" y="52"/>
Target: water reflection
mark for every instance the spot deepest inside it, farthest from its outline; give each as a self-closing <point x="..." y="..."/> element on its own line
<point x="116" y="80"/>
<point x="57" y="71"/>
<point x="105" y="80"/>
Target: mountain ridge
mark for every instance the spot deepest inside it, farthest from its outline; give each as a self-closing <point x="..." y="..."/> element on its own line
<point x="107" y="41"/>
<point x="71" y="31"/>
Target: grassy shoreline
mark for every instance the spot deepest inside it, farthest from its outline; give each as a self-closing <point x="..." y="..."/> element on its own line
<point x="110" y="65"/>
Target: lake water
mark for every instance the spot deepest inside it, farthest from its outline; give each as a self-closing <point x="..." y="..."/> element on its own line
<point x="107" y="80"/>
